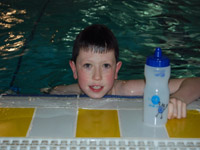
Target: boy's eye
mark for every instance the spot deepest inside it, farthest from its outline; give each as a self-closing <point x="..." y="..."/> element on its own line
<point x="87" y="65"/>
<point x="107" y="66"/>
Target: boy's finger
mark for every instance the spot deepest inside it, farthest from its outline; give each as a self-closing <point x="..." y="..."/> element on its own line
<point x="170" y="110"/>
<point x="184" y="110"/>
<point x="179" y="109"/>
<point x="173" y="101"/>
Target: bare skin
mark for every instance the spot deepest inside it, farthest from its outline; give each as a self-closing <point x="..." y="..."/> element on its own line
<point x="97" y="76"/>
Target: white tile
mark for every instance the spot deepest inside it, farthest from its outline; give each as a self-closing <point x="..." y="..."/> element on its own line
<point x="131" y="124"/>
<point x="98" y="103"/>
<point x="54" y="123"/>
<point x="131" y="104"/>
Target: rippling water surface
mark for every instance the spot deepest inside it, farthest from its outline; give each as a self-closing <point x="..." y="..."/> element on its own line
<point x="36" y="37"/>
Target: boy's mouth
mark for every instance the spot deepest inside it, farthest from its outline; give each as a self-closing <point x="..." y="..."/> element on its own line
<point x="96" y="88"/>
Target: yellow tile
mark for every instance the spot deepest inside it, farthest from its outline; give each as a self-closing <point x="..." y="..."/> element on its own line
<point x="185" y="128"/>
<point x="14" y="122"/>
<point x="97" y="123"/>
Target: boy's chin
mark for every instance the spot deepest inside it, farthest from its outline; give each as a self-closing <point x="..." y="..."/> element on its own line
<point x="95" y="96"/>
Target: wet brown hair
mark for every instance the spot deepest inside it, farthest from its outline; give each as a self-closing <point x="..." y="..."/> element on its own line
<point x="97" y="38"/>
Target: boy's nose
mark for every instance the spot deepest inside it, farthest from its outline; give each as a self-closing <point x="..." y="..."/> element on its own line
<point x="97" y="74"/>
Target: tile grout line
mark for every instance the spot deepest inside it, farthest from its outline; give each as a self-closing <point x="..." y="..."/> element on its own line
<point x="31" y="123"/>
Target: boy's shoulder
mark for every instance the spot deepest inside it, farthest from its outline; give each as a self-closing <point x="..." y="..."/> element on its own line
<point x="129" y="87"/>
<point x="66" y="89"/>
<point x="136" y="87"/>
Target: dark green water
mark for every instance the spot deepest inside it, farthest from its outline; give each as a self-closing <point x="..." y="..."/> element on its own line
<point x="36" y="37"/>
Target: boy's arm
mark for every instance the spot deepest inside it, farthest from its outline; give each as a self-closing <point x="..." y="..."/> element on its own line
<point x="129" y="87"/>
<point x="66" y="89"/>
<point x="188" y="90"/>
<point x="184" y="91"/>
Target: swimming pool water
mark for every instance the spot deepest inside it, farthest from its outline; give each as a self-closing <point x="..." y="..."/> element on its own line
<point x="36" y="37"/>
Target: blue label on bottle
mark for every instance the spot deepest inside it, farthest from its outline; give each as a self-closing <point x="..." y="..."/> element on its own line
<point x="155" y="99"/>
<point x="162" y="107"/>
<point x="160" y="73"/>
<point x="156" y="103"/>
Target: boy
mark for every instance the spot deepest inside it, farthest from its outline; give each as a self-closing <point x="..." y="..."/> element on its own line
<point x="95" y="65"/>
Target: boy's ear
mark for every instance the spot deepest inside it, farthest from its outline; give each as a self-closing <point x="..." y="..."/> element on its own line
<point x="73" y="67"/>
<point x="119" y="64"/>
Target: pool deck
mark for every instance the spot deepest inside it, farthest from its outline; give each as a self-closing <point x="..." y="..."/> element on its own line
<point x="56" y="117"/>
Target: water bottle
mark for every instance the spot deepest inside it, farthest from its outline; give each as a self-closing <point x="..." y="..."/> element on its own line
<point x="156" y="92"/>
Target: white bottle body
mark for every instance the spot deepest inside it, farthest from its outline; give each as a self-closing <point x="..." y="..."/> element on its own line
<point x="156" y="95"/>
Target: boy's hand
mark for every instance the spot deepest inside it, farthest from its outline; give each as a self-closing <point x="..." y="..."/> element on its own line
<point x="176" y="109"/>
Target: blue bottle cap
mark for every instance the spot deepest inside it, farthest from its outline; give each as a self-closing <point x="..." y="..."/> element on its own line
<point x="158" y="60"/>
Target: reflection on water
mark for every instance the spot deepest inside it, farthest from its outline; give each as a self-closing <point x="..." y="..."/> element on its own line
<point x="139" y="26"/>
<point x="13" y="43"/>
<point x="9" y="19"/>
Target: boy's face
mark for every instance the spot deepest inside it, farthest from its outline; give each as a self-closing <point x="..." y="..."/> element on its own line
<point x="96" y="72"/>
